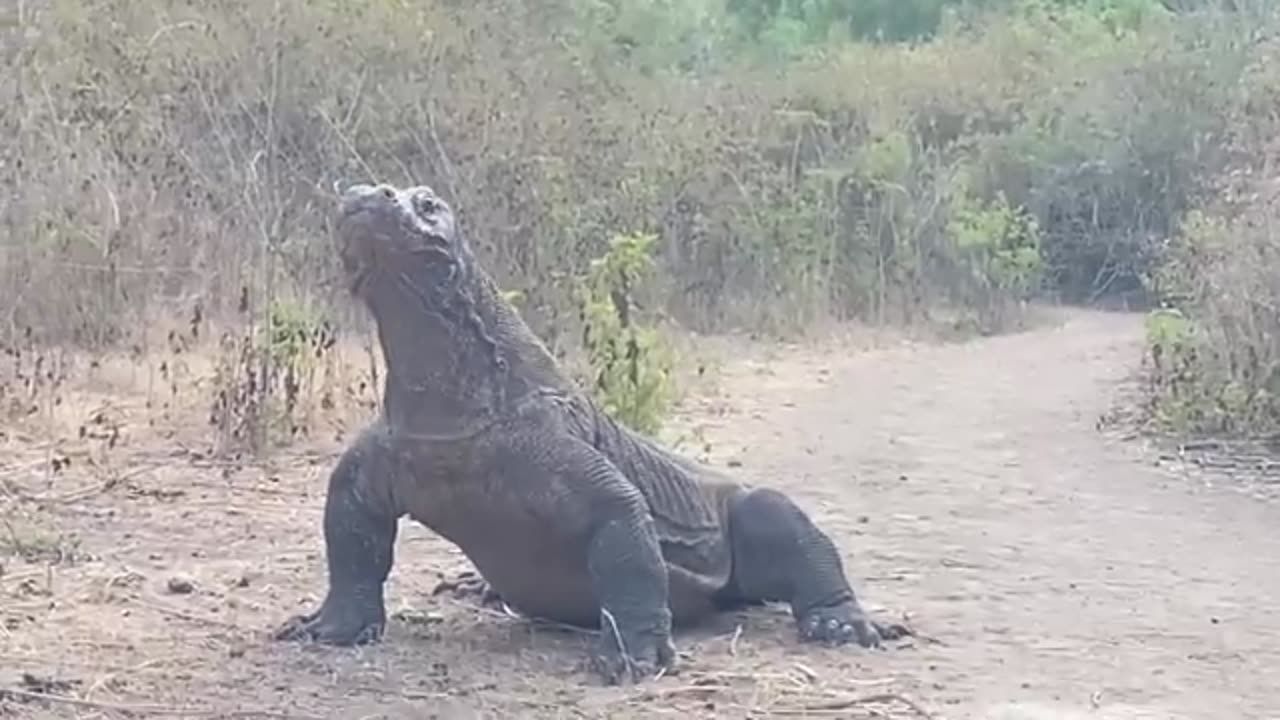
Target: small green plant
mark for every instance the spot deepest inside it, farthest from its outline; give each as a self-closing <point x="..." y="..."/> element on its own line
<point x="254" y="370"/>
<point x="1183" y="398"/>
<point x="1167" y="330"/>
<point x="33" y="543"/>
<point x="296" y="340"/>
<point x="888" y="158"/>
<point x="999" y="245"/>
<point x="288" y="334"/>
<point x="631" y="366"/>
<point x="1171" y="355"/>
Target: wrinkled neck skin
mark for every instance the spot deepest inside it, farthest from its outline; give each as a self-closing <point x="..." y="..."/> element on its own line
<point x="457" y="357"/>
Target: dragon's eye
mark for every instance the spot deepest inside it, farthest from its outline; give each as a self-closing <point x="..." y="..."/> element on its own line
<point x="425" y="204"/>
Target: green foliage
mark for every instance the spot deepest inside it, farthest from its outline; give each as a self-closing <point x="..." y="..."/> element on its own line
<point x="1182" y="402"/>
<point x="262" y="378"/>
<point x="795" y="22"/>
<point x="651" y="35"/>
<point x="1214" y="349"/>
<point x="296" y="339"/>
<point x="1168" y="331"/>
<point x="1214" y="353"/>
<point x="631" y="365"/>
<point x="35" y="543"/>
<point x="1000" y="247"/>
<point x="288" y="334"/>
<point x="887" y="159"/>
<point x="791" y="24"/>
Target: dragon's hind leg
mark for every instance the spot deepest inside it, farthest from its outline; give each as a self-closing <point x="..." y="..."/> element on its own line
<point x="780" y="555"/>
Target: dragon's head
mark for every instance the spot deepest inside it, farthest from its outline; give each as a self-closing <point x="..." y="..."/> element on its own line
<point x="399" y="234"/>
<point x="454" y="347"/>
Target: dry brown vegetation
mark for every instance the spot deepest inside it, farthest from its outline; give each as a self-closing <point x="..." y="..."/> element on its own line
<point x="175" y="156"/>
<point x="169" y="297"/>
<point x="173" y="164"/>
<point x="1215" y="346"/>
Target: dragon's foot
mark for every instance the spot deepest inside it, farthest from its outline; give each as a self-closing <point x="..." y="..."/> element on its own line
<point x="337" y="622"/>
<point x="846" y="622"/>
<point x="623" y="656"/>
<point x="470" y="584"/>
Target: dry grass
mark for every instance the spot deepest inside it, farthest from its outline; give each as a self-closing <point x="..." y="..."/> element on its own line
<point x="183" y="157"/>
<point x="1214" y="356"/>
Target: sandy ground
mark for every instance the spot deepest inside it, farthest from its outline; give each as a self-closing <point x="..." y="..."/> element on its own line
<point x="1052" y="569"/>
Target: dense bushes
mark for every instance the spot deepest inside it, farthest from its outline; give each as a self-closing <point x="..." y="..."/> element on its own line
<point x="181" y="153"/>
<point x="1215" y="346"/>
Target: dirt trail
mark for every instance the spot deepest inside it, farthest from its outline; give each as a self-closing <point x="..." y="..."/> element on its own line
<point x="1061" y="570"/>
<point x="1062" y="574"/>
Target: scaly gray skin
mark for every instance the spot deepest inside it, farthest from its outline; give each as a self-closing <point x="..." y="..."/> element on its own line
<point x="566" y="514"/>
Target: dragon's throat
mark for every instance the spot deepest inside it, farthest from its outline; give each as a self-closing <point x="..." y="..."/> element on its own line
<point x="432" y="374"/>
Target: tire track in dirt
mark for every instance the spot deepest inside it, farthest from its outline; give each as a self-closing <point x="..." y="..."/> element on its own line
<point x="1064" y="573"/>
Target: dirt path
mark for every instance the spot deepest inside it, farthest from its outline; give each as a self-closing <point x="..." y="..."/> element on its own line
<point x="1061" y="570"/>
<point x="1063" y="575"/>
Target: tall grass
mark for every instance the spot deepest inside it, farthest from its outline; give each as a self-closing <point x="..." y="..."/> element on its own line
<point x="169" y="158"/>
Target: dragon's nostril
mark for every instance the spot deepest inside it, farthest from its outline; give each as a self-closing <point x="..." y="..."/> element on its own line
<point x="388" y="192"/>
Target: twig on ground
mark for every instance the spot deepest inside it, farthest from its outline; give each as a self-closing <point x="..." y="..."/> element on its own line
<point x="537" y="622"/>
<point x="668" y="693"/>
<point x="14" y="470"/>
<point x="161" y="608"/>
<point x="148" y="709"/>
<point x="18" y="577"/>
<point x="733" y="641"/>
<point x="103" y="680"/>
<point x="847" y="703"/>
<point x="238" y="487"/>
<point x="88" y="490"/>
<point x="808" y="674"/>
<point x="489" y="689"/>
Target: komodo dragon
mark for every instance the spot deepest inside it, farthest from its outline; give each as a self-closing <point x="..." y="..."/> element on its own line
<point x="566" y="514"/>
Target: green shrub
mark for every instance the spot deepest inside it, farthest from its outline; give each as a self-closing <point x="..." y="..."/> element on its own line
<point x="1214" y="349"/>
<point x="631" y="365"/>
<point x="1214" y="353"/>
<point x="1000" y="247"/>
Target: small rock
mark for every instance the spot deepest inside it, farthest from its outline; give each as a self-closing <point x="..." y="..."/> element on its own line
<point x="181" y="586"/>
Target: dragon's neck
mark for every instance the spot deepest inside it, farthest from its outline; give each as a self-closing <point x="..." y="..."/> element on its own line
<point x="453" y="365"/>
